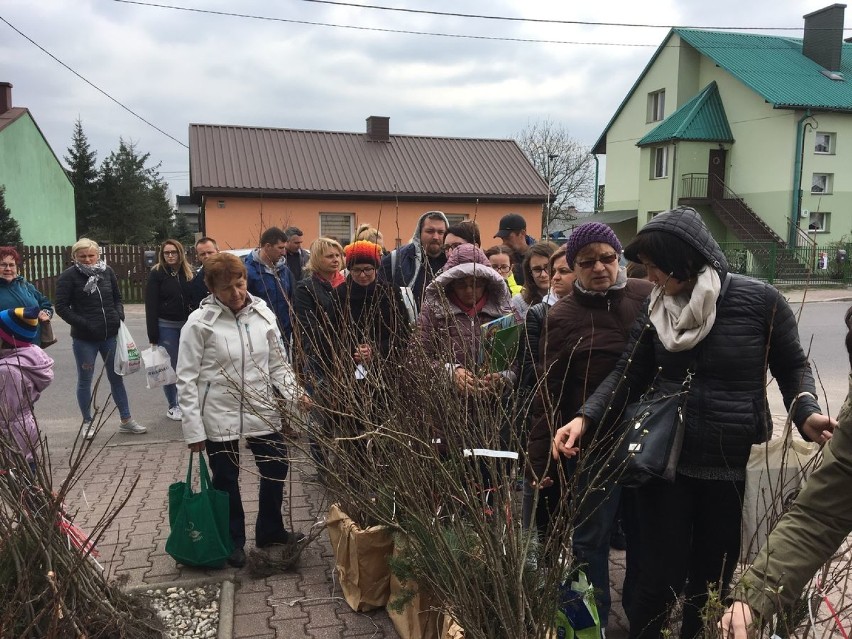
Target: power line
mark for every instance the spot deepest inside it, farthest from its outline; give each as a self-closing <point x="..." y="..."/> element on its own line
<point x="450" y="14"/>
<point x="91" y="84"/>
<point x="230" y="14"/>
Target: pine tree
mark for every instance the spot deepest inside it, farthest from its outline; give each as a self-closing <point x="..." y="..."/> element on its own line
<point x="132" y="201"/>
<point x="10" y="231"/>
<point x="181" y="231"/>
<point x="83" y="174"/>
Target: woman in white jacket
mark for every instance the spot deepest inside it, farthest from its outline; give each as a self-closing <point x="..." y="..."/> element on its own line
<point x="231" y="356"/>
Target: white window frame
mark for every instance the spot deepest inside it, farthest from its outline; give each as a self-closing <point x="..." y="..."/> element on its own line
<point x="822" y="183"/>
<point x="824" y="149"/>
<point x="821" y="218"/>
<point x="656" y="106"/>
<point x="455" y="218"/>
<point x="659" y="172"/>
<point x="325" y="221"/>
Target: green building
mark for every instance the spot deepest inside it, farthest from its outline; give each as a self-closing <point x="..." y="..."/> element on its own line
<point x="753" y="131"/>
<point x="38" y="191"/>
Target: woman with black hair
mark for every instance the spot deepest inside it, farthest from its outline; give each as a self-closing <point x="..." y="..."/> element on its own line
<point x="721" y="329"/>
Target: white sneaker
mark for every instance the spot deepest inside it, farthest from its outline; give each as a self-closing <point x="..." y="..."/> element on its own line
<point x="88" y="430"/>
<point x="175" y="413"/>
<point x="133" y="427"/>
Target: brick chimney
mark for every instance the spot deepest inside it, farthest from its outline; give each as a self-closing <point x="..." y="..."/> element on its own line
<point x="823" y="41"/>
<point x="378" y="128"/>
<point x="5" y="96"/>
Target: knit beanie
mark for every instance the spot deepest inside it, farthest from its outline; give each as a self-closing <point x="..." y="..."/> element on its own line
<point x="19" y="326"/>
<point x="363" y="252"/>
<point x="586" y="234"/>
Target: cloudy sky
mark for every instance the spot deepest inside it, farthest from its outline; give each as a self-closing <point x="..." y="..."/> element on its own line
<point x="285" y="67"/>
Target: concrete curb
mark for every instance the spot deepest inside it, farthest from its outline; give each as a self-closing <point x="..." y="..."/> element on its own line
<point x="226" y="610"/>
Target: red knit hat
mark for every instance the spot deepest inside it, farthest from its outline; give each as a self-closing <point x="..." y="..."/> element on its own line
<point x="363" y="252"/>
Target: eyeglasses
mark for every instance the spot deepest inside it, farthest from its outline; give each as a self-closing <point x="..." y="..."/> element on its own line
<point x="8" y="265"/>
<point x="170" y="252"/>
<point x="450" y="247"/>
<point x="603" y="259"/>
<point x="503" y="268"/>
<point x="538" y="270"/>
<point x="363" y="270"/>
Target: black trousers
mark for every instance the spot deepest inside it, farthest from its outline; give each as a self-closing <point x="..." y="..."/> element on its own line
<point x="270" y="457"/>
<point x="690" y="532"/>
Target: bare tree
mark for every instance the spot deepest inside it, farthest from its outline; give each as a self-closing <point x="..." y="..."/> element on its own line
<point x="564" y="163"/>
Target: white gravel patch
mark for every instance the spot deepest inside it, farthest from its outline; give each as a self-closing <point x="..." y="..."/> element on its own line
<point x="187" y="612"/>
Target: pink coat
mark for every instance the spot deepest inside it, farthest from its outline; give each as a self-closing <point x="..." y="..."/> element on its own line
<point x="24" y="374"/>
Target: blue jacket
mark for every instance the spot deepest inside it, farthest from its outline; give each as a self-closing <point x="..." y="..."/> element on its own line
<point x="20" y="293"/>
<point x="275" y="287"/>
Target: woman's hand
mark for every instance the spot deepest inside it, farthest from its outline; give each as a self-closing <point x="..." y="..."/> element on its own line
<point x="492" y="381"/>
<point x="465" y="381"/>
<point x="736" y="622"/>
<point x="197" y="447"/>
<point x="819" y="427"/>
<point x="546" y="482"/>
<point x="43" y="316"/>
<point x="363" y="354"/>
<point x="566" y="440"/>
<point x="305" y="402"/>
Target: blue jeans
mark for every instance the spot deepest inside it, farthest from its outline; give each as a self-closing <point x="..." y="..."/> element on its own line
<point x="86" y="354"/>
<point x="169" y="339"/>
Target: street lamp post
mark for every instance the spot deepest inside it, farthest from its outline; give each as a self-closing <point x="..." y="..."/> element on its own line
<point x="546" y="221"/>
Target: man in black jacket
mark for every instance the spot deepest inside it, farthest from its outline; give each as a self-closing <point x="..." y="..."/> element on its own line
<point x="204" y="248"/>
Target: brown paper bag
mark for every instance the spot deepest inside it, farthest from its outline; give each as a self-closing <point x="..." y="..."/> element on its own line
<point x="420" y="618"/>
<point x="452" y="629"/>
<point x="361" y="560"/>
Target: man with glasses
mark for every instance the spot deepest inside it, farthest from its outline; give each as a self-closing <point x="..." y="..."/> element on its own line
<point x="414" y="265"/>
<point x="205" y="248"/>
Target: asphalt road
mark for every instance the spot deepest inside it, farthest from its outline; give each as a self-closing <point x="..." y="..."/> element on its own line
<point x="821" y="330"/>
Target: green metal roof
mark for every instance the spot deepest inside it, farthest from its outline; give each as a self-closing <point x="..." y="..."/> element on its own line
<point x="776" y="68"/>
<point x="772" y="66"/>
<point x="701" y="119"/>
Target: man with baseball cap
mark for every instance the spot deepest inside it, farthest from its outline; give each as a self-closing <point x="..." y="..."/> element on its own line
<point x="513" y="232"/>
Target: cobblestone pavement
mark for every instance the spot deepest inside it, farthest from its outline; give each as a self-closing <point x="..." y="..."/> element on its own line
<point x="303" y="602"/>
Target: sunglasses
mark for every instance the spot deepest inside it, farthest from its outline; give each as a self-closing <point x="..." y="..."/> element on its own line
<point x="603" y="259"/>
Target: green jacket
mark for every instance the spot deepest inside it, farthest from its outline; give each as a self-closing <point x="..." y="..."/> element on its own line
<point x="809" y="534"/>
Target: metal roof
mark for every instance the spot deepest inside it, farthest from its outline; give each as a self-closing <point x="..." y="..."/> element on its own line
<point x="776" y="68"/>
<point x="239" y="159"/>
<point x="701" y="119"/>
<point x="10" y="115"/>
<point x="772" y="66"/>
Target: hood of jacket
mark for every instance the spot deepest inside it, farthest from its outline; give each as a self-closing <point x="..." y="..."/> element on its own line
<point x="463" y="262"/>
<point x="415" y="239"/>
<point x="686" y="224"/>
<point x="34" y="364"/>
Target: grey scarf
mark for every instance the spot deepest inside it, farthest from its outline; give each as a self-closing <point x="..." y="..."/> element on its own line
<point x="95" y="273"/>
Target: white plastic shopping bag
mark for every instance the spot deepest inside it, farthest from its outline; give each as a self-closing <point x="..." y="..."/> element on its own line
<point x="127" y="359"/>
<point x="158" y="367"/>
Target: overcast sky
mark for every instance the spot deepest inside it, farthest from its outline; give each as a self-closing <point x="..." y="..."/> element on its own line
<point x="175" y="67"/>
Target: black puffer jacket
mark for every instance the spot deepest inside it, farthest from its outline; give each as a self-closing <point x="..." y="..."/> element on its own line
<point x="94" y="316"/>
<point x="726" y="410"/>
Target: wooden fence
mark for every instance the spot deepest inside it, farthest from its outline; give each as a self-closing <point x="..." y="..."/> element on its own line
<point x="42" y="266"/>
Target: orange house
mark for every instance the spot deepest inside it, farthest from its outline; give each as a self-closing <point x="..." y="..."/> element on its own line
<point x="327" y="183"/>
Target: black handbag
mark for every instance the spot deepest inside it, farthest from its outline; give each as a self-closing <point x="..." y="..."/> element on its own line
<point x="652" y="437"/>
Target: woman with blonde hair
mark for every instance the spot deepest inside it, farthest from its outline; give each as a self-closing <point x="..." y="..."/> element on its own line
<point x="367" y="233"/>
<point x="168" y="302"/>
<point x="314" y="306"/>
<point x="88" y="298"/>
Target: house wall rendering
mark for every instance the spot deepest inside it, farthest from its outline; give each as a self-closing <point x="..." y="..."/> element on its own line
<point x="237" y="222"/>
<point x="38" y="193"/>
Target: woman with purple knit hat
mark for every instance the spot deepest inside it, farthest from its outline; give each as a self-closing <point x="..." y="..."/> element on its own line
<point x="582" y="339"/>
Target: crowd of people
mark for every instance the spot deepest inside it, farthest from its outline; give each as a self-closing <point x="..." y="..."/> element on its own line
<point x="258" y="339"/>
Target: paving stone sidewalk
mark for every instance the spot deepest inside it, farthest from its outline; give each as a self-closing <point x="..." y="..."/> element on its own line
<point x="304" y="602"/>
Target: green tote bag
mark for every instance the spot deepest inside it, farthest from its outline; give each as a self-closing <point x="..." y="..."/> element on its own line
<point x="199" y="522"/>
